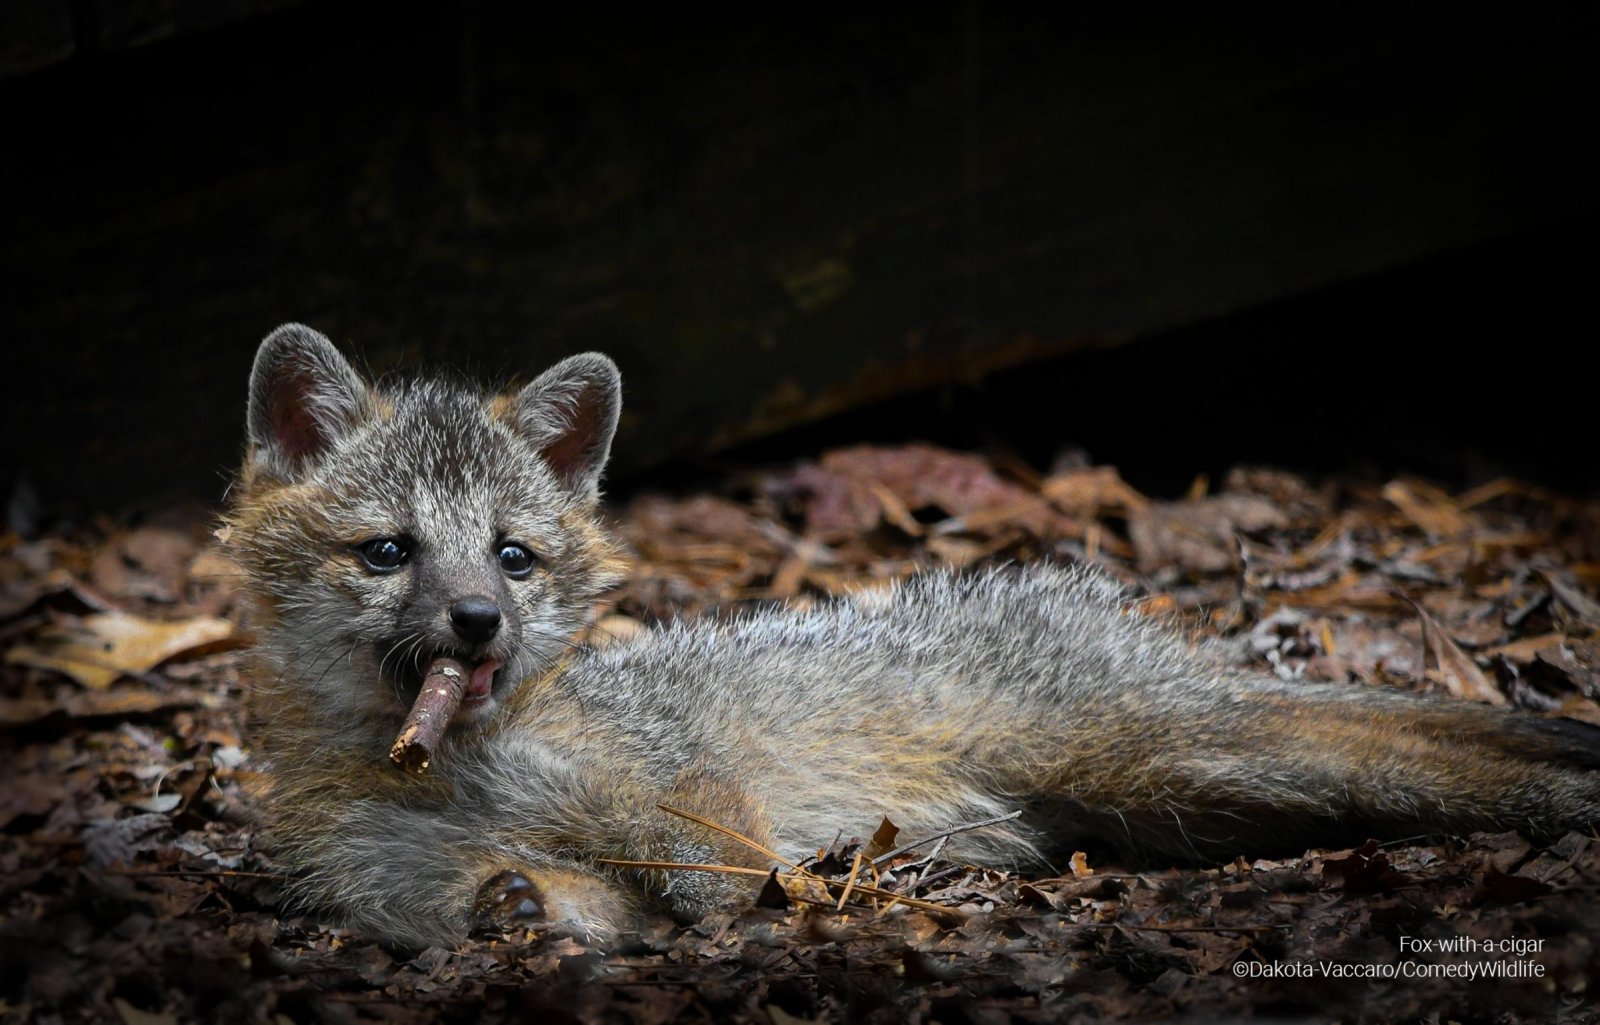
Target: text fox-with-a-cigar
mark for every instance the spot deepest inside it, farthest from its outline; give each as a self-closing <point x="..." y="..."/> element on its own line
<point x="383" y="529"/>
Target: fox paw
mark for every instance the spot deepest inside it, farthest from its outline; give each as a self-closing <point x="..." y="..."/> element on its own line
<point x="505" y="900"/>
<point x="553" y="900"/>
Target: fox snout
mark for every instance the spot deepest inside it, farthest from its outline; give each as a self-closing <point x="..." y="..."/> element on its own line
<point x="476" y="618"/>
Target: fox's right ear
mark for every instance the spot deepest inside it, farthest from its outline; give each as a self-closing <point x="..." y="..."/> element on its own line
<point x="304" y="396"/>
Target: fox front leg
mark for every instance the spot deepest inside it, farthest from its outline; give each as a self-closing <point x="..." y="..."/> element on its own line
<point x="416" y="878"/>
<point x="555" y="901"/>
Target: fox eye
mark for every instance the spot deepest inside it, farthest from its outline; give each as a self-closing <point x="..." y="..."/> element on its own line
<point x="516" y="560"/>
<point x="383" y="554"/>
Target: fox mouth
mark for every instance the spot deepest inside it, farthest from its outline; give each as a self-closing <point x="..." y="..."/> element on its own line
<point x="405" y="671"/>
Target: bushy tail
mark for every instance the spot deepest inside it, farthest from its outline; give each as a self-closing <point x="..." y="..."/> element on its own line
<point x="1280" y="768"/>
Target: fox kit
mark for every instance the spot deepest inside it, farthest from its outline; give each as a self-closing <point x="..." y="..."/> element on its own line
<point x="382" y="527"/>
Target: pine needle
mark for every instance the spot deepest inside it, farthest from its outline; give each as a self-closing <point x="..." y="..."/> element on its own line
<point x="678" y="866"/>
<point x="794" y="877"/>
<point x="760" y="848"/>
<point x="850" y="880"/>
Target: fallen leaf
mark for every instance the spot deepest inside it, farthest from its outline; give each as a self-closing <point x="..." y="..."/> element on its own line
<point x="1458" y="673"/>
<point x="882" y="841"/>
<point x="1092" y="492"/>
<point x="120" y="840"/>
<point x="98" y="648"/>
<point x="1574" y="707"/>
<point x="1428" y="507"/>
<point x="1584" y="607"/>
<point x="1364" y="870"/>
<point x="131" y="1015"/>
<point x="162" y="803"/>
<point x="148" y="562"/>
<point x="1509" y="888"/>
<point x="56" y="588"/>
<point x="1198" y="535"/>
<point x="1525" y="650"/>
<point x="92" y="704"/>
<point x="1080" y="865"/>
<point x="853" y="490"/>
<point x="781" y="1017"/>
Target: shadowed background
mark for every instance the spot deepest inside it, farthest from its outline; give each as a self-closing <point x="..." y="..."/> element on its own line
<point x="1178" y="237"/>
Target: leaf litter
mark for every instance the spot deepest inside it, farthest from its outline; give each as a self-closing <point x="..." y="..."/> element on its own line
<point x="133" y="888"/>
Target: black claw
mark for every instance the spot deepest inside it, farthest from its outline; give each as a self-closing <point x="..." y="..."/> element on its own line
<point x="505" y="898"/>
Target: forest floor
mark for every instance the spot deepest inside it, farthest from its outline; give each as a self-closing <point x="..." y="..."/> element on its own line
<point x="134" y="891"/>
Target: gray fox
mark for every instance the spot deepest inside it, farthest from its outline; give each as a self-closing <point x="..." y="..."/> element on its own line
<point x="382" y="526"/>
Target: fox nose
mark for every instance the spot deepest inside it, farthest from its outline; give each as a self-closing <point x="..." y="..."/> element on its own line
<point x="475" y="619"/>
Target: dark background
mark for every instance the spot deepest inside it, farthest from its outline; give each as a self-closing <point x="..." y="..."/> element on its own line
<point x="1178" y="236"/>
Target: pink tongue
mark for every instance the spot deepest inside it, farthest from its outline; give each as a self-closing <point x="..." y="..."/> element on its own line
<point x="482" y="679"/>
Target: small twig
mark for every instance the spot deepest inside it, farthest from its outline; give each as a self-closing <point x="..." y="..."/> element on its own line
<point x="760" y="848"/>
<point x="952" y="831"/>
<point x="910" y="902"/>
<point x="797" y="876"/>
<point x="941" y="874"/>
<point x="678" y="866"/>
<point x="931" y="856"/>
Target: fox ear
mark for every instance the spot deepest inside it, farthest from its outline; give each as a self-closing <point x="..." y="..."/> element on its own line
<point x="304" y="396"/>
<point x="570" y="412"/>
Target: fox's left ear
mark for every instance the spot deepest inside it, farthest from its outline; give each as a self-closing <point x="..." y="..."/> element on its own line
<point x="570" y="412"/>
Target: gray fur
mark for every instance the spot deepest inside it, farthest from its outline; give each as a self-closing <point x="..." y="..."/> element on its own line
<point x="570" y="414"/>
<point x="945" y="699"/>
<point x="304" y="396"/>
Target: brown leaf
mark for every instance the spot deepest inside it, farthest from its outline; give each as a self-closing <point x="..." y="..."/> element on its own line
<point x="98" y="648"/>
<point x="853" y="490"/>
<point x="148" y="562"/>
<point x="1574" y="707"/>
<point x="1429" y="508"/>
<point x="1364" y="870"/>
<point x="1080" y="865"/>
<point x="882" y="841"/>
<point x="1525" y="650"/>
<point x="1092" y="492"/>
<point x="1198" y="535"/>
<point x="1458" y="673"/>
<point x="1581" y="605"/>
<point x="1502" y="888"/>
<point x="122" y="701"/>
<point x="131" y="1015"/>
<point x="56" y="588"/>
<point x="772" y="893"/>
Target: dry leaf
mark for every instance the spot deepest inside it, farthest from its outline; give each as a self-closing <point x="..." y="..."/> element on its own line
<point x="1459" y="674"/>
<point x="1584" y="607"/>
<point x="1525" y="650"/>
<point x="96" y="649"/>
<point x="131" y="1015"/>
<point x="853" y="490"/>
<point x="882" y="841"/>
<point x="90" y="704"/>
<point x="1092" y="492"/>
<point x="1199" y="535"/>
<point x="1429" y="508"/>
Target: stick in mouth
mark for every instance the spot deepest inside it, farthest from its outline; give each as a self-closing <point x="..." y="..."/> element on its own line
<point x="443" y="686"/>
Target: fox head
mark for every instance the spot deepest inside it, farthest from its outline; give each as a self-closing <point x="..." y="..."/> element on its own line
<point x="381" y="526"/>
